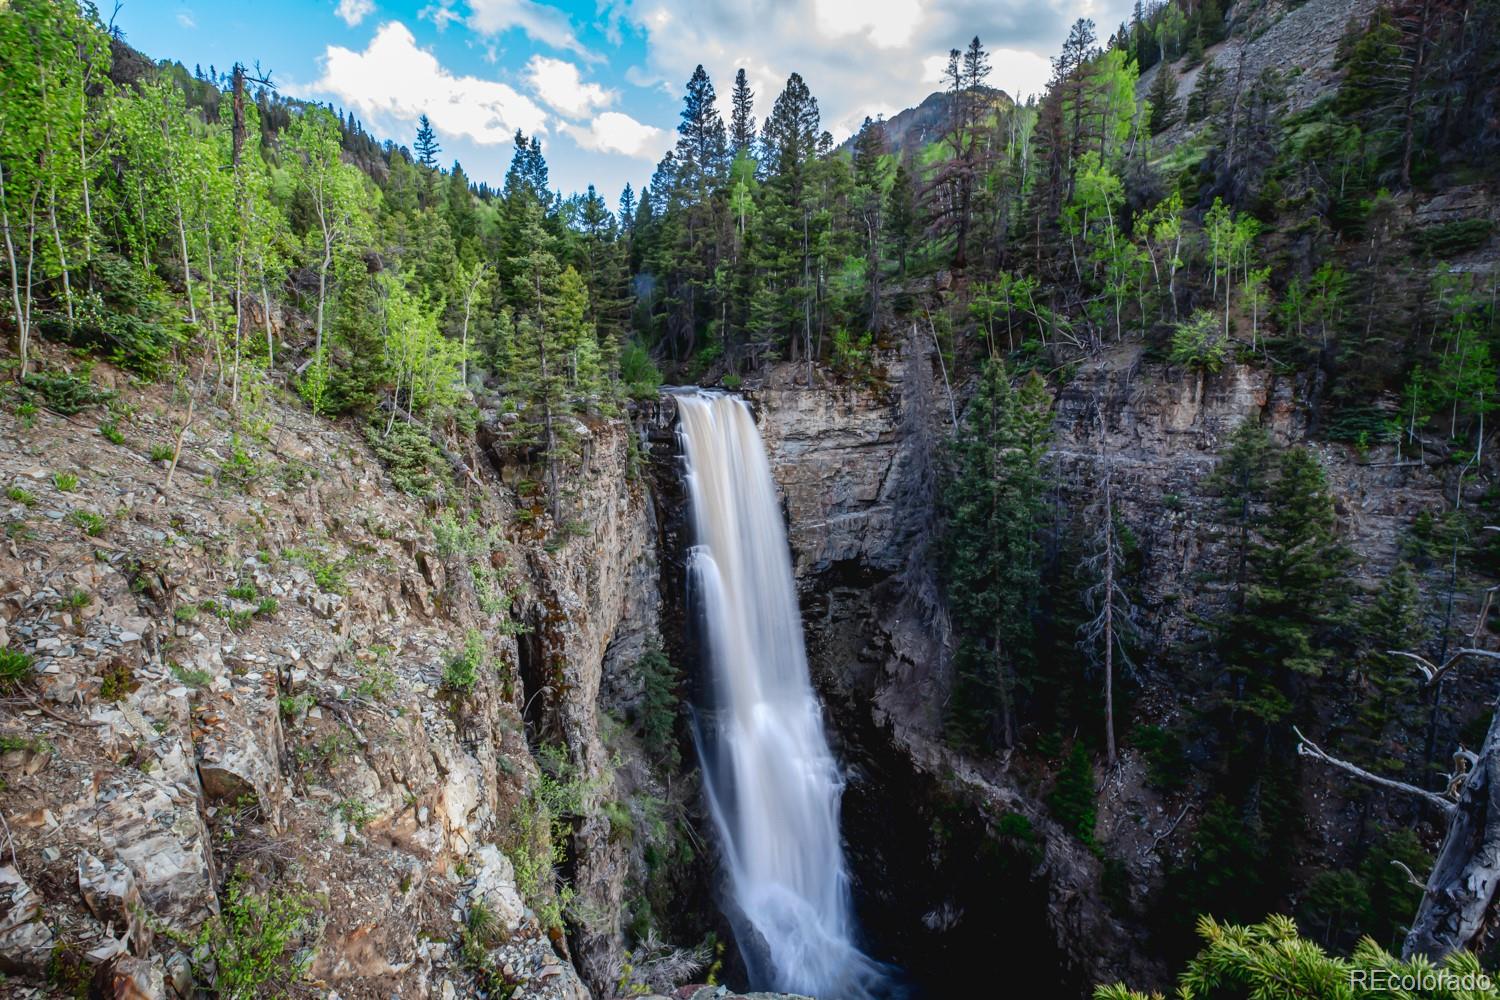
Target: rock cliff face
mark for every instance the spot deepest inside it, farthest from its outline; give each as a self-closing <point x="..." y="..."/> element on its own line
<point x="856" y="465"/>
<point x="250" y="669"/>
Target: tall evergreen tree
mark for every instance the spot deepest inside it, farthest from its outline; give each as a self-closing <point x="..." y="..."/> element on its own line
<point x="426" y="145"/>
<point x="742" y="120"/>
<point x="992" y="499"/>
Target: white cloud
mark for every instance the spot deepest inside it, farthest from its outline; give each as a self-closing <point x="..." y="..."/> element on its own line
<point x="441" y="14"/>
<point x="857" y="56"/>
<point x="560" y="85"/>
<point x="886" y="23"/>
<point x="354" y="11"/>
<point x="185" y="18"/>
<point x="614" y="132"/>
<point x="393" y="81"/>
<point x="540" y="22"/>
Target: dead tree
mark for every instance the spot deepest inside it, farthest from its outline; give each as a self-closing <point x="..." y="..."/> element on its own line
<point x="1462" y="888"/>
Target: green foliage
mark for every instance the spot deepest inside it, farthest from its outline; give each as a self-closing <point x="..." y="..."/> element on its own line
<point x="1199" y="343"/>
<point x="659" y="705"/>
<point x="66" y="482"/>
<point x="20" y="495"/>
<point x="254" y="941"/>
<point x="1072" y="799"/>
<point x="92" y="524"/>
<point x="1270" y="959"/>
<point x="15" y="668"/>
<point x="462" y="671"/>
<point x="162" y="452"/>
<point x="1449" y="239"/>
<point x="65" y="392"/>
<point x="991" y="502"/>
<point x="414" y="462"/>
<point x="111" y="433"/>
<point x="1166" y="766"/>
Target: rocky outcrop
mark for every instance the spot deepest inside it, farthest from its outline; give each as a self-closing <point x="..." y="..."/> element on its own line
<point x="236" y="687"/>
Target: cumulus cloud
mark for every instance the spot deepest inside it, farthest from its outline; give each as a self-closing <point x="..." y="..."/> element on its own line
<point x="858" y="56"/>
<point x="559" y="84"/>
<point x="393" y="81"/>
<point x="354" y="11"/>
<point x="540" y="22"/>
<point x="615" y="132"/>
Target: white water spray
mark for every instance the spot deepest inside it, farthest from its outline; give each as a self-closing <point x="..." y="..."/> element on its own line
<point x="773" y="784"/>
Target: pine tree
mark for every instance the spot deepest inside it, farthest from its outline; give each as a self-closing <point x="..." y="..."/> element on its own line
<point x="1392" y="621"/>
<point x="901" y="217"/>
<point x="742" y="120"/>
<point x="1165" y="106"/>
<point x="992" y="505"/>
<point x="869" y="188"/>
<point x="426" y="146"/>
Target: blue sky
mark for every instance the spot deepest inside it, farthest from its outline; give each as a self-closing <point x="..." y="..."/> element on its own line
<point x="599" y="82"/>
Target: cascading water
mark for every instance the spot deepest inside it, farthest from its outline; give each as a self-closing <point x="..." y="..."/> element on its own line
<point x="773" y="784"/>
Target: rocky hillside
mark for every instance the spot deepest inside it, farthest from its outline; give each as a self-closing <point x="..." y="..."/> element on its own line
<point x="262" y="681"/>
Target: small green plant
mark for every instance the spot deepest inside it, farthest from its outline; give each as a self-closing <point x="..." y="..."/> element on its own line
<point x="75" y="599"/>
<point x="162" y="452"/>
<point x="239" y="468"/>
<point x="243" y="591"/>
<point x="356" y="812"/>
<point x="27" y="412"/>
<point x="328" y="575"/>
<point x="462" y="672"/>
<point x="15" y="668"/>
<point x="186" y="613"/>
<point x="10" y="743"/>
<point x="117" y="681"/>
<point x="253" y="941"/>
<point x="21" y="495"/>
<point x="67" y="482"/>
<point x="111" y="432"/>
<point x="64" y="392"/>
<point x="378" y="685"/>
<point x="267" y="606"/>
<point x="192" y="678"/>
<point x="294" y="706"/>
<point x="92" y="524"/>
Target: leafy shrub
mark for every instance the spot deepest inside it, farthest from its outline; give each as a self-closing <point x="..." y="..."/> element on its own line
<point x="659" y="704"/>
<point x="253" y="942"/>
<point x="21" y="495"/>
<point x="162" y="452"/>
<point x="462" y="672"/>
<point x="1449" y="239"/>
<point x="1270" y="959"/>
<point x="65" y="481"/>
<point x="1166" y="767"/>
<point x="111" y="433"/>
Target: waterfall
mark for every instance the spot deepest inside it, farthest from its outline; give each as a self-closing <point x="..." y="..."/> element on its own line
<point x="773" y="785"/>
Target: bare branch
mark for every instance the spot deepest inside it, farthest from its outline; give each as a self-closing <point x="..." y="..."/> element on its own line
<point x="1411" y="876"/>
<point x="1307" y="748"/>
<point x="1430" y="672"/>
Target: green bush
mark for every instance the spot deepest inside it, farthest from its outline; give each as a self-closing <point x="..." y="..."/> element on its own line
<point x="659" y="705"/>
<point x="20" y="495"/>
<point x="253" y="942"/>
<point x="462" y="672"/>
<point x="1449" y="239"/>
<point x="1166" y="767"/>
<point x="638" y="373"/>
<point x="92" y="524"/>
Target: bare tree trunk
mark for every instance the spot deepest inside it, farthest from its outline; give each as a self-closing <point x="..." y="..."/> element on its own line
<point x="1461" y="888"/>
